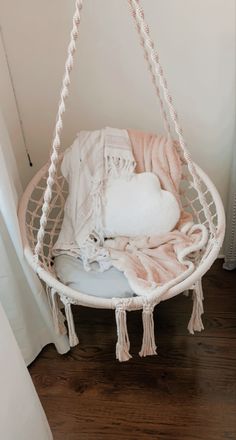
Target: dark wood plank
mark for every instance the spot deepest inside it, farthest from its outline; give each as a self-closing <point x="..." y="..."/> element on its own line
<point x="187" y="392"/>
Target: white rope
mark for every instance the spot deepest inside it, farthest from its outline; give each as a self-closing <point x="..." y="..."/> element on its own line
<point x="73" y="338"/>
<point x="123" y="344"/>
<point x="58" y="317"/>
<point x="195" y="324"/>
<point x="150" y="69"/>
<point x="158" y="72"/>
<point x="148" y="344"/>
<point x="58" y="128"/>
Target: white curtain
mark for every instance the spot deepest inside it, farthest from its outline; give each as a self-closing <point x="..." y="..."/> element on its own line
<point x="21" y="293"/>
<point x="230" y="240"/>
<point x="21" y="414"/>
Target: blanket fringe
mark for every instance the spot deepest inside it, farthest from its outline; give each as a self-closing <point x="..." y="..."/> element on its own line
<point x="123" y="344"/>
<point x="195" y="323"/>
<point x="119" y="166"/>
<point x="73" y="339"/>
<point x="148" y="345"/>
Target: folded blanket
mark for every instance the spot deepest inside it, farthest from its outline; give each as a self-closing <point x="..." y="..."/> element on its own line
<point x="155" y="264"/>
<point x="93" y="157"/>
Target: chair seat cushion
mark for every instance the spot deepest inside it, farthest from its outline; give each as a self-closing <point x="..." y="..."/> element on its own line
<point x="108" y="284"/>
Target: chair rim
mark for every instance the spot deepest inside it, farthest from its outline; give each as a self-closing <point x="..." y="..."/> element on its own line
<point x="98" y="302"/>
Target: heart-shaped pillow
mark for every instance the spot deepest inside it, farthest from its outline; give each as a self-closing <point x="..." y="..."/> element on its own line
<point x="136" y="205"/>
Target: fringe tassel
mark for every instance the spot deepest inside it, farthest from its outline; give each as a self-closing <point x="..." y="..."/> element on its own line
<point x="186" y="293"/>
<point x="57" y="315"/>
<point x="148" y="346"/>
<point x="73" y="339"/>
<point x="195" y="323"/>
<point x="58" y="318"/>
<point x="49" y="298"/>
<point x="123" y="344"/>
<point x="117" y="166"/>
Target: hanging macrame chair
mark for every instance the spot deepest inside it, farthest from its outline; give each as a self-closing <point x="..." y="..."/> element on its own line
<point x="42" y="208"/>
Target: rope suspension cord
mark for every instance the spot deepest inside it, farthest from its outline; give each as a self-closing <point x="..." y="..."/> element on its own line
<point x="158" y="71"/>
<point x="152" y="59"/>
<point x="151" y="70"/>
<point x="58" y="128"/>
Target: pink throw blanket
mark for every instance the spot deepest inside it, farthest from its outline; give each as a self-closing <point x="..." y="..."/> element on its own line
<point x="154" y="264"/>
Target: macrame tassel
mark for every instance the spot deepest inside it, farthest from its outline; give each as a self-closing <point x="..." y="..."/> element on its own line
<point x="49" y="298"/>
<point x="195" y="323"/>
<point x="186" y="293"/>
<point x="148" y="346"/>
<point x="123" y="344"/>
<point x="73" y="339"/>
<point x="58" y="318"/>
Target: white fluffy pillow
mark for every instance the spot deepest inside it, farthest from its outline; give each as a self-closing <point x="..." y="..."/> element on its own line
<point x="137" y="206"/>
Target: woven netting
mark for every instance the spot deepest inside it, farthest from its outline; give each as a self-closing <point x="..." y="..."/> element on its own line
<point x="189" y="197"/>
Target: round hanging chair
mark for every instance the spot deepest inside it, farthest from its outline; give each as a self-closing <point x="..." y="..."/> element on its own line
<point x="41" y="210"/>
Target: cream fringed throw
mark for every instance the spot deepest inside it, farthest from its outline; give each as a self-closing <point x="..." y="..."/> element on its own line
<point x="152" y="265"/>
<point x="93" y="157"/>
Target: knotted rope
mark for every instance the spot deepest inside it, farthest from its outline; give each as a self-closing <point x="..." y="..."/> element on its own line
<point x="148" y="345"/>
<point x="123" y="344"/>
<point x="57" y="132"/>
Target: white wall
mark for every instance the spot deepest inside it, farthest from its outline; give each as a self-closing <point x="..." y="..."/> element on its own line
<point x="110" y="85"/>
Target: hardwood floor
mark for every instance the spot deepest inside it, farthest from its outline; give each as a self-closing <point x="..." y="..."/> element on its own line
<point x="187" y="392"/>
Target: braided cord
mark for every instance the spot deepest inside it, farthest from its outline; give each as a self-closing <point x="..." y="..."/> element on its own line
<point x="146" y="40"/>
<point x="150" y="68"/>
<point x="57" y="132"/>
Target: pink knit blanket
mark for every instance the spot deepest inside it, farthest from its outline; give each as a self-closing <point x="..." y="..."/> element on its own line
<point x="154" y="264"/>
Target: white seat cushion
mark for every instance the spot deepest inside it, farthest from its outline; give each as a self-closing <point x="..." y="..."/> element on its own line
<point x="108" y="284"/>
<point x="137" y="206"/>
